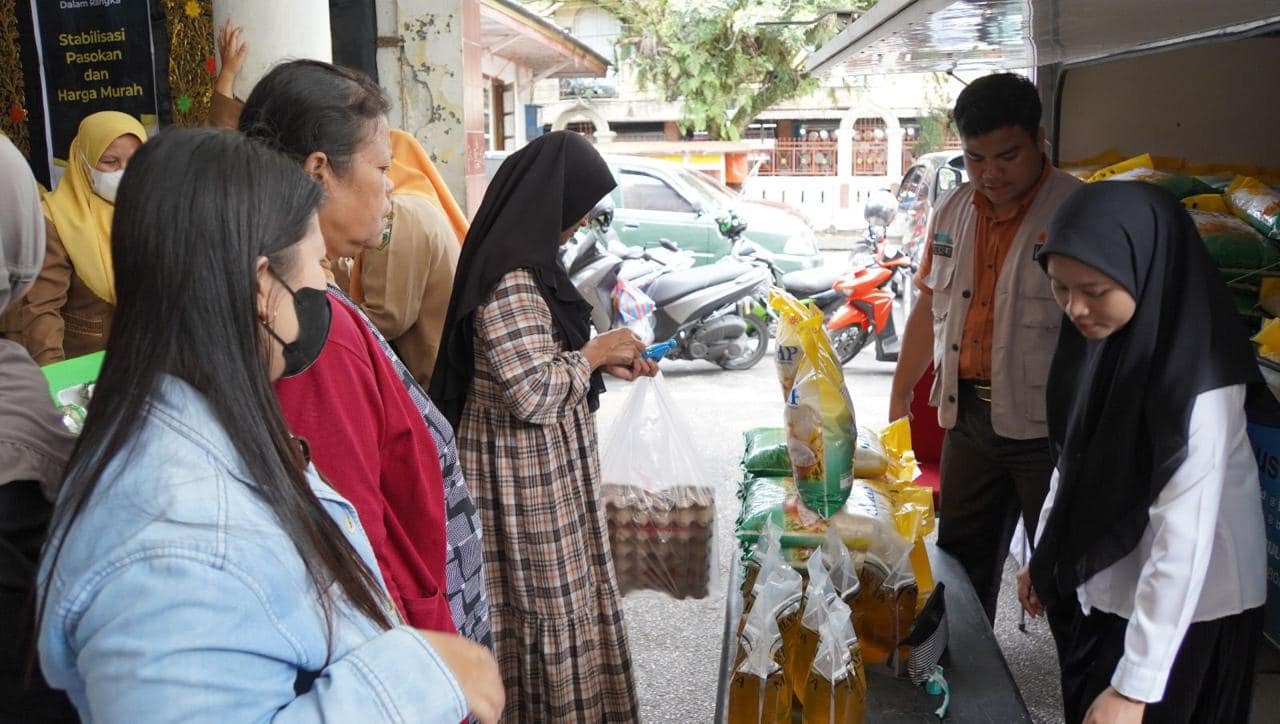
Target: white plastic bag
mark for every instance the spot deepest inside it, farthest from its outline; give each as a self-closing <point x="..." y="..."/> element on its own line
<point x="660" y="509"/>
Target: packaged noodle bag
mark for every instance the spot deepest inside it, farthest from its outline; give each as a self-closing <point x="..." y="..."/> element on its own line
<point x="835" y="691"/>
<point x="820" y="423"/>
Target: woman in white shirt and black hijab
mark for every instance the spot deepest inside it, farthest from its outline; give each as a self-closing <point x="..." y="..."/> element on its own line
<point x="1153" y="523"/>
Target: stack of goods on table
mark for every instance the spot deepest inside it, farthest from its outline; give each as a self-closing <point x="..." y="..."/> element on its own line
<point x="1236" y="209"/>
<point x="659" y="509"/>
<point x="837" y="580"/>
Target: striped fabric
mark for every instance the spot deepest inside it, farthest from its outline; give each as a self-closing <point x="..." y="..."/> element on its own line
<point x="464" y="559"/>
<point x="528" y="445"/>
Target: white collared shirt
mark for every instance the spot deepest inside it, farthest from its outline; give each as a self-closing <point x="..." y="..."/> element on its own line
<point x="1173" y="578"/>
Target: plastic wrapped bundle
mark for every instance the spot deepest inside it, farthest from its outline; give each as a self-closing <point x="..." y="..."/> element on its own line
<point x="835" y="691"/>
<point x="660" y="511"/>
<point x="1256" y="203"/>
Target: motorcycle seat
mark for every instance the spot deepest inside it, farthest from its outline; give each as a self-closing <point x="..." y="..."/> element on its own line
<point x="808" y="282"/>
<point x="679" y="283"/>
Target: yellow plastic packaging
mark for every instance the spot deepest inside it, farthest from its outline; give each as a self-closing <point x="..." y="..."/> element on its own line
<point x="820" y="424"/>
<point x="1268" y="339"/>
<point x="1212" y="203"/>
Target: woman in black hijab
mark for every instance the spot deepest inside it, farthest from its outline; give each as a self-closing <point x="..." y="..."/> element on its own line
<point x="519" y="377"/>
<point x="1153" y="525"/>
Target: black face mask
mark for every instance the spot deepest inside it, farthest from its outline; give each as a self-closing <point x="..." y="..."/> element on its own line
<point x="311" y="305"/>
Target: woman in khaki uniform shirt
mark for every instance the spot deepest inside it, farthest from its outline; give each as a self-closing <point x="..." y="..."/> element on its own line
<point x="67" y="312"/>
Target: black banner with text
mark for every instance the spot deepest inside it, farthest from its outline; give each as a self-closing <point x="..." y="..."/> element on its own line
<point x="96" y="56"/>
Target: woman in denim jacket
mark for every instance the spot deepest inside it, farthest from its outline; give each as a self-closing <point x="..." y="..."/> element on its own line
<point x="200" y="569"/>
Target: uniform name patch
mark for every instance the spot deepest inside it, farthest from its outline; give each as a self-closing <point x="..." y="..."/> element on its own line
<point x="942" y="245"/>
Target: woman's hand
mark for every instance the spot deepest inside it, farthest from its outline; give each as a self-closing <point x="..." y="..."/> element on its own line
<point x="617" y="347"/>
<point x="1112" y="707"/>
<point x="476" y="671"/>
<point x="233" y="51"/>
<point x="1027" y="594"/>
<point x="641" y="367"/>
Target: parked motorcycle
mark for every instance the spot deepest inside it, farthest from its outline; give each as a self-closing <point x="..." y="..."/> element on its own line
<point x="880" y="273"/>
<point x="702" y="309"/>
<point x="867" y="313"/>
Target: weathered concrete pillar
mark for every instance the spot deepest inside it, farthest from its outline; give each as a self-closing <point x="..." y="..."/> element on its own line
<point x="430" y="64"/>
<point x="275" y="31"/>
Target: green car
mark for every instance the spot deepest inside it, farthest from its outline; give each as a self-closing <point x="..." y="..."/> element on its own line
<point x="662" y="200"/>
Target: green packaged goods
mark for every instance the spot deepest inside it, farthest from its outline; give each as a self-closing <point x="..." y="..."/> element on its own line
<point x="1256" y="203"/>
<point x="1232" y="243"/>
<point x="766" y="452"/>
<point x="1176" y="184"/>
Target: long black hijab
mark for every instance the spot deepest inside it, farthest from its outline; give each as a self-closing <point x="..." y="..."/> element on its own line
<point x="538" y="192"/>
<point x="1119" y="407"/>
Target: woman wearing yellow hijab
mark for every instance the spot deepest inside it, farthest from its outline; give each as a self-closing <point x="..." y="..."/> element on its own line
<point x="68" y="311"/>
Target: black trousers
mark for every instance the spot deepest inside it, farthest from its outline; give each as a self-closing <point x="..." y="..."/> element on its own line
<point x="1211" y="681"/>
<point x="987" y="482"/>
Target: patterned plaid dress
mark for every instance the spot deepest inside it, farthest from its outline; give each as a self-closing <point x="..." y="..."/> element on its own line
<point x="528" y="443"/>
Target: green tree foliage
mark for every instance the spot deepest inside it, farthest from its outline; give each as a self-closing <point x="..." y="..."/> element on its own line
<point x="721" y="58"/>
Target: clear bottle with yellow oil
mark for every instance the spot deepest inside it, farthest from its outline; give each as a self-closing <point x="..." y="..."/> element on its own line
<point x="835" y="691"/>
<point x="759" y="692"/>
<point x="883" y="609"/>
<point x="819" y="593"/>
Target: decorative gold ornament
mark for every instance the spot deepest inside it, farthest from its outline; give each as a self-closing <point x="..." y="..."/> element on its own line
<point x="13" y="91"/>
<point x="191" y="61"/>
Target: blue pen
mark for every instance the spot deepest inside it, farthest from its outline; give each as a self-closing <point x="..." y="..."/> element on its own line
<point x="656" y="351"/>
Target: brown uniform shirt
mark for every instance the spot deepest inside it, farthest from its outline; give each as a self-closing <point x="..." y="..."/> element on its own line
<point x="61" y="317"/>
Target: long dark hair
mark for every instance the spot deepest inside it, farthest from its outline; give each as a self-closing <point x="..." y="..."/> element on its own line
<point x="304" y="106"/>
<point x="195" y="211"/>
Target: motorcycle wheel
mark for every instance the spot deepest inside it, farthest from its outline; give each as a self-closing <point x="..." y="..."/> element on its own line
<point x="758" y="339"/>
<point x="848" y="342"/>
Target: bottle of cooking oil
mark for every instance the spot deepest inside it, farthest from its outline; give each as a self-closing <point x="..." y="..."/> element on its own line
<point x="836" y="689"/>
<point x="766" y="556"/>
<point x="759" y="692"/>
<point x="818" y="595"/>
<point x="884" y="609"/>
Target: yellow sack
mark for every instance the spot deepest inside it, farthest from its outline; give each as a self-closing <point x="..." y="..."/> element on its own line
<point x="788" y="352"/>
<point x="1268" y="339"/>
<point x="1213" y="203"/>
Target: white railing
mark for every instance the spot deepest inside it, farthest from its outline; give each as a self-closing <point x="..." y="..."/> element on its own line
<point x="830" y="203"/>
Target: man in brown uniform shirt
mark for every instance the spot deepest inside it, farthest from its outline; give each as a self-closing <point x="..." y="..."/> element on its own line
<point x="988" y="322"/>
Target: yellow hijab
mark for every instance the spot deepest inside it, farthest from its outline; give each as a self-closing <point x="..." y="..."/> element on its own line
<point x="83" y="218"/>
<point x="412" y="172"/>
